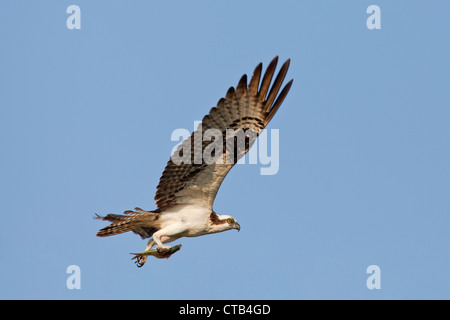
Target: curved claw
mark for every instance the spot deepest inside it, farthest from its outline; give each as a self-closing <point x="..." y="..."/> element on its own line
<point x="140" y="259"/>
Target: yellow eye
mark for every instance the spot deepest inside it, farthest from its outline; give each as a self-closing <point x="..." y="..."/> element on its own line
<point x="229" y="220"/>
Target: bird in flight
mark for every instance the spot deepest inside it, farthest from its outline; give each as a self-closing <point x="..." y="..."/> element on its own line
<point x="193" y="175"/>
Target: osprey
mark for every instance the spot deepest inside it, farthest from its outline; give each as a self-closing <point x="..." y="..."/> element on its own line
<point x="189" y="184"/>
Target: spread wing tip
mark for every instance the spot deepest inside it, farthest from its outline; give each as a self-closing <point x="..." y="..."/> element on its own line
<point x="279" y="101"/>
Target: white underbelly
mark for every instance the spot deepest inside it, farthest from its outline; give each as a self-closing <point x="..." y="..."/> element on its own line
<point x="190" y="221"/>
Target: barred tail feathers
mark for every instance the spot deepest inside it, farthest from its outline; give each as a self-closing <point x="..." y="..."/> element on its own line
<point x="140" y="222"/>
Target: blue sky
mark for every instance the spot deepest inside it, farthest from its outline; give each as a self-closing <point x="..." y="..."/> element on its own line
<point x="364" y="177"/>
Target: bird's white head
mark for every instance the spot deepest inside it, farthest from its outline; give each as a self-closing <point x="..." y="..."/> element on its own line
<point x="222" y="222"/>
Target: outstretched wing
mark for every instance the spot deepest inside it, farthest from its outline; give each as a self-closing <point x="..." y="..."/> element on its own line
<point x="197" y="168"/>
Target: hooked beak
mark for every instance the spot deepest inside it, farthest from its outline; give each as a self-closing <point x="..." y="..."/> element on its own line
<point x="237" y="226"/>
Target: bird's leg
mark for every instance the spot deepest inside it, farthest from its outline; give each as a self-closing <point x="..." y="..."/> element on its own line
<point x="159" y="240"/>
<point x="168" y="234"/>
<point x="141" y="258"/>
<point x="160" y="237"/>
<point x="150" y="245"/>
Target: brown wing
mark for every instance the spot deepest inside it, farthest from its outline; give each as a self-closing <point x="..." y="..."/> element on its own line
<point x="197" y="168"/>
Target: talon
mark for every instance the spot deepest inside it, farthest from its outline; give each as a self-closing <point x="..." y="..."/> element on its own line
<point x="140" y="259"/>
